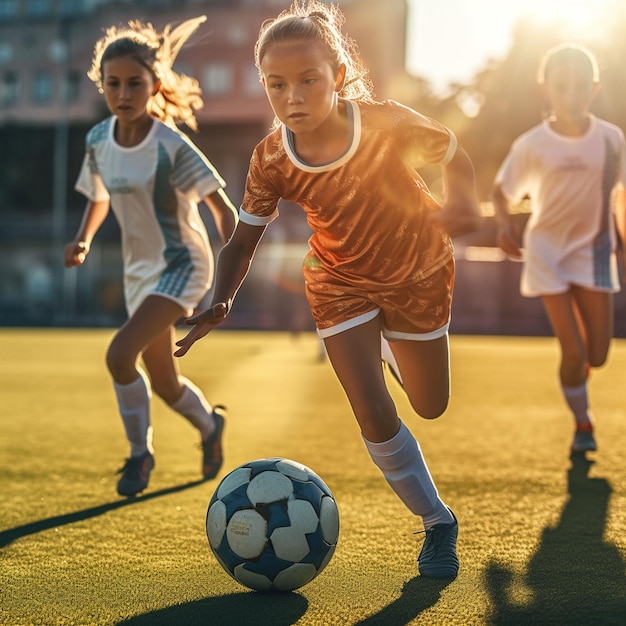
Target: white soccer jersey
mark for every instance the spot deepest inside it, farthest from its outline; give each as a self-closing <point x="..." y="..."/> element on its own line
<point x="154" y="188"/>
<point x="570" y="236"/>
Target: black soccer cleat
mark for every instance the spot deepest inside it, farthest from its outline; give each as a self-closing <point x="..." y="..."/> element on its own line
<point x="212" y="454"/>
<point x="135" y="474"/>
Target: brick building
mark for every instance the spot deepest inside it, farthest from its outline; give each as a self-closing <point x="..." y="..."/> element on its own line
<point x="46" y="99"/>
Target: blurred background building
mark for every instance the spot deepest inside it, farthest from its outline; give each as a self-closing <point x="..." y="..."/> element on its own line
<point x="47" y="104"/>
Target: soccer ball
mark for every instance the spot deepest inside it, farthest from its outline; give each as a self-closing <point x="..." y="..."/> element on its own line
<point x="273" y="524"/>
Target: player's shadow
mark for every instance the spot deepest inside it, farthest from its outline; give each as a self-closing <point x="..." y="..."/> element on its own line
<point x="237" y="609"/>
<point x="575" y="577"/>
<point x="32" y="528"/>
<point x="418" y="594"/>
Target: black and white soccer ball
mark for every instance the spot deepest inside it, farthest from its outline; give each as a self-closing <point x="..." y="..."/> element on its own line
<point x="273" y="524"/>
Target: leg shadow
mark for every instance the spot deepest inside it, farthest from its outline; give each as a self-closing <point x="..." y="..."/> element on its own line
<point x="10" y="535"/>
<point x="575" y="577"/>
<point x="418" y="594"/>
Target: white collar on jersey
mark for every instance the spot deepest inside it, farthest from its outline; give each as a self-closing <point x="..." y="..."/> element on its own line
<point x="354" y="121"/>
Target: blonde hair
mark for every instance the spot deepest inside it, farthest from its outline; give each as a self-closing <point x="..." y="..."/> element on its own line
<point x="310" y="20"/>
<point x="179" y="96"/>
<point x="568" y="53"/>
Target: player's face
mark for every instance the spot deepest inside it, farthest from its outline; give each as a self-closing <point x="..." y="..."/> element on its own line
<point x="128" y="86"/>
<point x="569" y="88"/>
<point x="301" y="83"/>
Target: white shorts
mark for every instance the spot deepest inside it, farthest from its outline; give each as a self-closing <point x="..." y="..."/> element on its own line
<point x="186" y="285"/>
<point x="549" y="274"/>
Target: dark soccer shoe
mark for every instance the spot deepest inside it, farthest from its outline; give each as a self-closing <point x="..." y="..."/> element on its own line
<point x="438" y="558"/>
<point x="135" y="474"/>
<point x="212" y="456"/>
<point x="584" y="441"/>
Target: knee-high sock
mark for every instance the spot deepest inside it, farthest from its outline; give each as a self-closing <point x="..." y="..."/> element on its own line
<point x="134" y="405"/>
<point x="401" y="461"/>
<point x="578" y="402"/>
<point x="194" y="406"/>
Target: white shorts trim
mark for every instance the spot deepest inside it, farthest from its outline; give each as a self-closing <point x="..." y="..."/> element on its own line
<point x="348" y="324"/>
<point x="392" y="335"/>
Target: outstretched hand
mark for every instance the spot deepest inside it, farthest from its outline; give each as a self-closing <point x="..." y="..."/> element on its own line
<point x="74" y="253"/>
<point x="203" y="324"/>
<point x="458" y="218"/>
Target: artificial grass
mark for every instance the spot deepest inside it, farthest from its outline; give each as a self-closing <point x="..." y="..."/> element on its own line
<point x="542" y="539"/>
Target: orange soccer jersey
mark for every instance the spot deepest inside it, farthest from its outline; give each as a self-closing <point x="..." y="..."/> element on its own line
<point x="367" y="209"/>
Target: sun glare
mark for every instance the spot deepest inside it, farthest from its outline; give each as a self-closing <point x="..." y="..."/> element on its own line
<point x="574" y="16"/>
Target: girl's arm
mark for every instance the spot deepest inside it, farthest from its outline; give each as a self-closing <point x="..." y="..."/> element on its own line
<point x="620" y="215"/>
<point x="232" y="267"/>
<point x="620" y="224"/>
<point x="76" y="251"/>
<point x="461" y="212"/>
<point x="508" y="234"/>
<point x="224" y="213"/>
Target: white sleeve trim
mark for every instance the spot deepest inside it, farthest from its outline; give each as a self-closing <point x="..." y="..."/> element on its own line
<point x="452" y="146"/>
<point x="90" y="195"/>
<point x="257" y="220"/>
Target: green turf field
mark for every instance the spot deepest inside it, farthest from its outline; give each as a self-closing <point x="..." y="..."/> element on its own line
<point x="542" y="540"/>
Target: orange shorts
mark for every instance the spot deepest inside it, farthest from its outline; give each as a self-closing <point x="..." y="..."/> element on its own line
<point x="420" y="311"/>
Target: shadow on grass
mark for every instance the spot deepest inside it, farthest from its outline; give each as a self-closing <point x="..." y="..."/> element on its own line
<point x="418" y="594"/>
<point x="10" y="535"/>
<point x="283" y="609"/>
<point x="575" y="577"/>
<point x="237" y="609"/>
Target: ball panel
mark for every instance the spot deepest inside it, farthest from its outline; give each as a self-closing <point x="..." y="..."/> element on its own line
<point x="329" y="520"/>
<point x="276" y="515"/>
<point x="246" y="533"/>
<point x="294" y="470"/>
<point x="314" y="478"/>
<point x="317" y="548"/>
<point x="253" y="580"/>
<point x="294" y="576"/>
<point x="216" y="523"/>
<point x="324" y="562"/>
<point x="269" y="487"/>
<point x="262" y="465"/>
<point x="309" y="492"/>
<point x="238" y="477"/>
<point x="290" y="542"/>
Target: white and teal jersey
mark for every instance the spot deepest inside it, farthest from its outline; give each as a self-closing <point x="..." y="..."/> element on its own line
<point x="154" y="189"/>
<point x="570" y="237"/>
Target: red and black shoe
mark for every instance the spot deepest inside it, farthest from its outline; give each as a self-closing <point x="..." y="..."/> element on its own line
<point x="135" y="474"/>
<point x="212" y="455"/>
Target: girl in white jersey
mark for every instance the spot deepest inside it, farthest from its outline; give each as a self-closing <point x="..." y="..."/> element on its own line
<point x="573" y="167"/>
<point x="138" y="163"/>
<point x="380" y="259"/>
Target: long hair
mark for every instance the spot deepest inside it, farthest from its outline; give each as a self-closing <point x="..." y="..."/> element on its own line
<point x="310" y="20"/>
<point x="179" y="96"/>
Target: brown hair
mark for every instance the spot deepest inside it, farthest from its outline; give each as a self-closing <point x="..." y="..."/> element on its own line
<point x="178" y="95"/>
<point x="310" y="20"/>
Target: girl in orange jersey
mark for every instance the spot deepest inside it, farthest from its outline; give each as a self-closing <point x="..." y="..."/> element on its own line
<point x="380" y="255"/>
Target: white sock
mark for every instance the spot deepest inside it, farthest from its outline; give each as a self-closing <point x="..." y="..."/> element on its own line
<point x="578" y="402"/>
<point x="387" y="356"/>
<point x="194" y="406"/>
<point x="401" y="461"/>
<point x="134" y="405"/>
